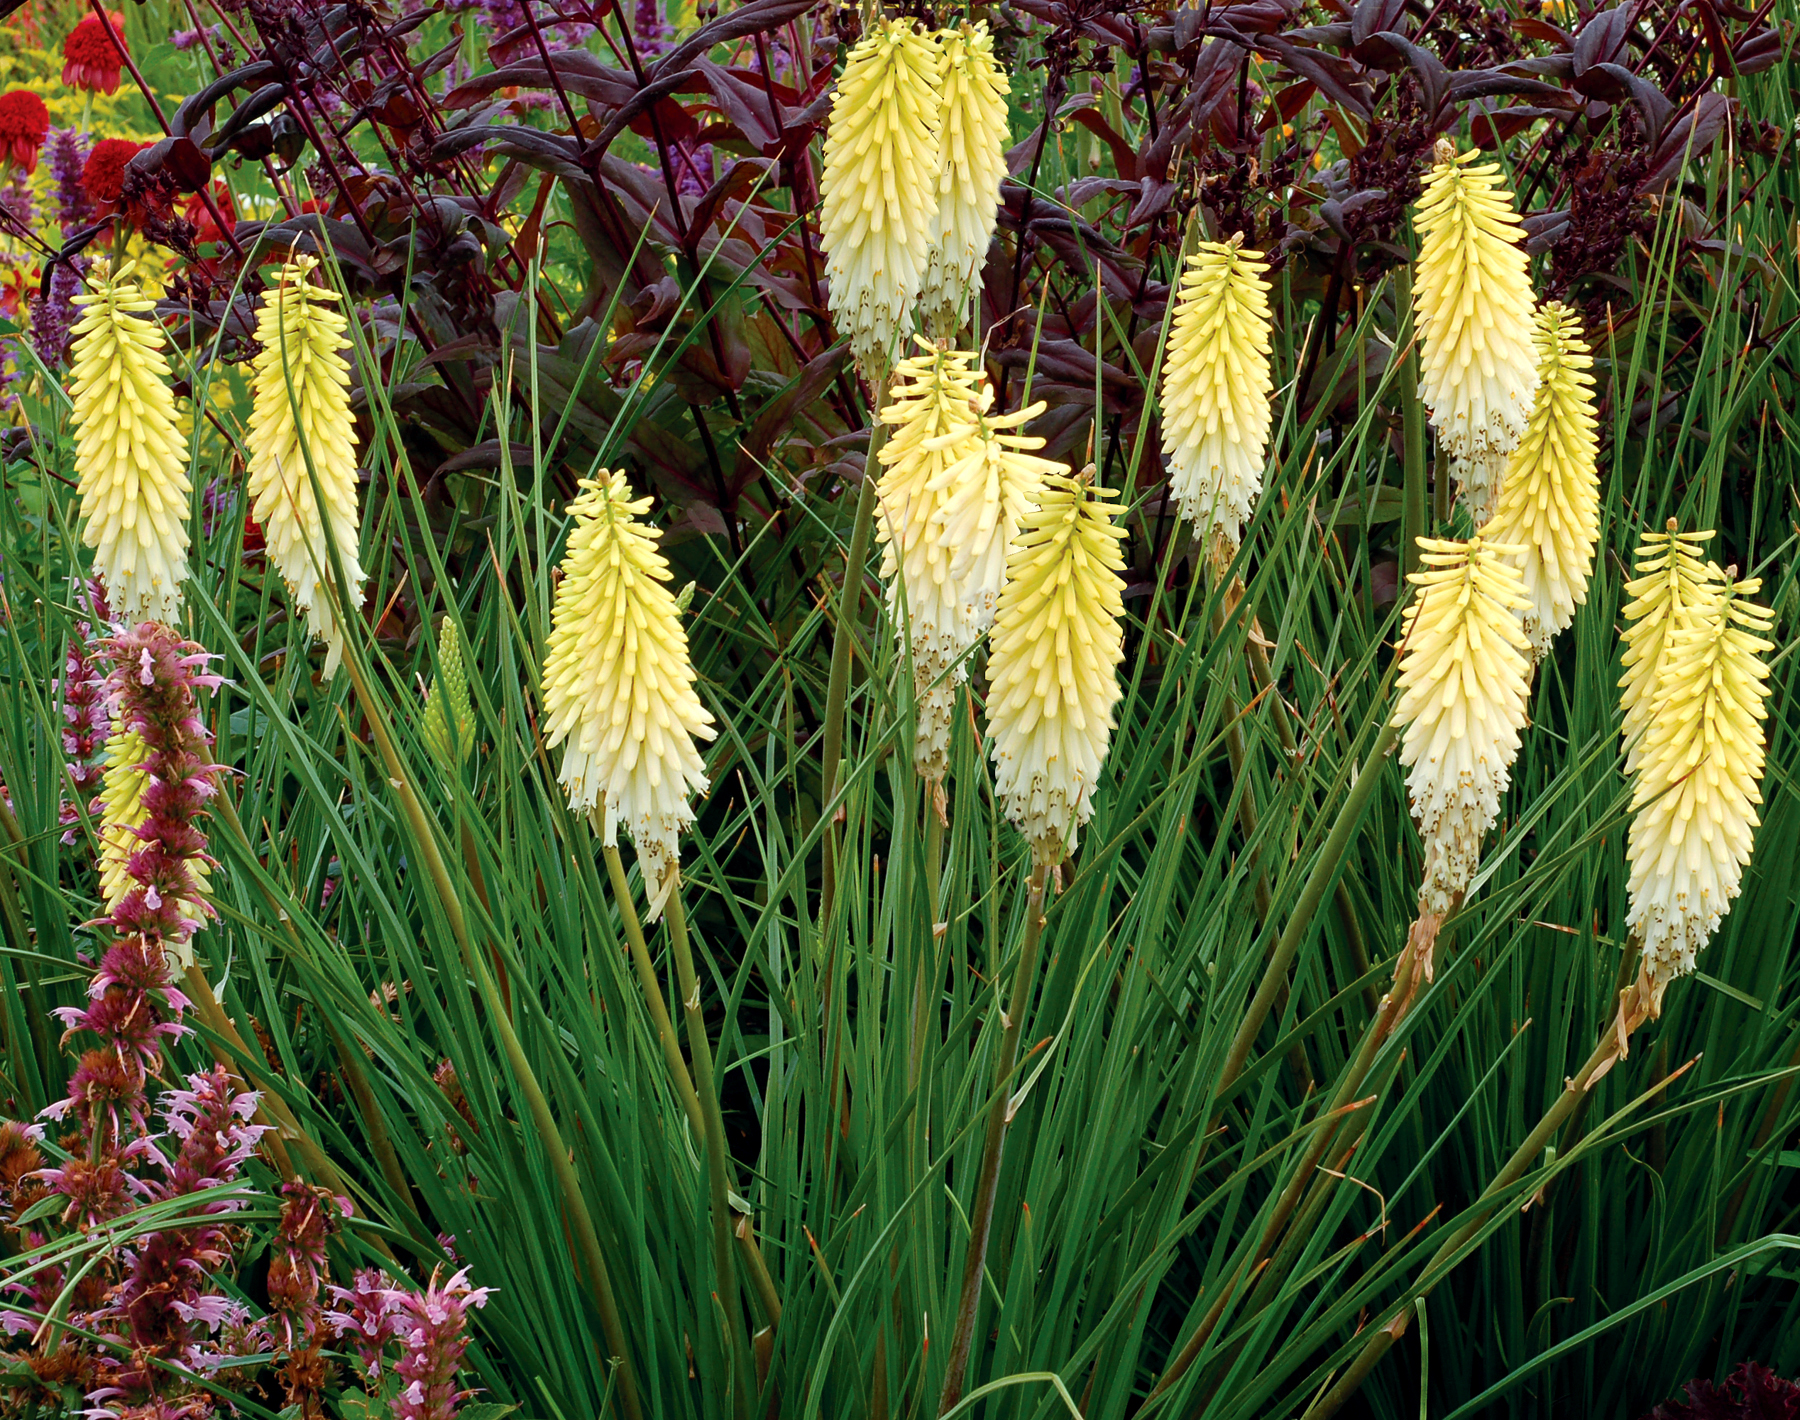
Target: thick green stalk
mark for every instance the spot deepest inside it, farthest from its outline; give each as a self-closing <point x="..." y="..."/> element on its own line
<point x="843" y="638"/>
<point x="581" y="1221"/>
<point x="999" y="1115"/>
<point x="1412" y="414"/>
<point x="1516" y="1168"/>
<point x="653" y="995"/>
<point x="718" y="1161"/>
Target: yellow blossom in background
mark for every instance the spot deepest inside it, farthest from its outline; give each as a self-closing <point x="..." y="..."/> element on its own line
<point x="619" y="685"/>
<point x="972" y="135"/>
<point x="1473" y="298"/>
<point x="1463" y="672"/>
<point x="130" y="459"/>
<point x="302" y="414"/>
<point x="1550" y="503"/>
<point x="936" y="398"/>
<point x="1215" y="391"/>
<point x="1694" y="814"/>
<point x="1053" y="662"/>
<point x="1671" y="582"/>
<point x="879" y="187"/>
<point x="985" y="496"/>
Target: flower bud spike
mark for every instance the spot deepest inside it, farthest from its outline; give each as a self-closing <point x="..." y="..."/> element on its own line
<point x="972" y="147"/>
<point x="1473" y="299"/>
<point x="1463" y="684"/>
<point x="1550" y="503"/>
<point x="1053" y="679"/>
<point x="936" y="400"/>
<point x="879" y="187"/>
<point x="301" y="434"/>
<point x="1671" y="582"/>
<point x="1701" y="762"/>
<point x="1215" y="392"/>
<point x="449" y="724"/>
<point x="619" y="685"/>
<point x="130" y="457"/>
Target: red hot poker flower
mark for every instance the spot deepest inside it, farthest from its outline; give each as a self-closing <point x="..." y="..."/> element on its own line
<point x="24" y="123"/>
<point x="91" y="60"/>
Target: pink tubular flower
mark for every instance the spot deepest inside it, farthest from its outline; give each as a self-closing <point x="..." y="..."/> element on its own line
<point x="433" y="1327"/>
<point x="368" y="1317"/>
<point x="309" y="1217"/>
<point x="85" y="722"/>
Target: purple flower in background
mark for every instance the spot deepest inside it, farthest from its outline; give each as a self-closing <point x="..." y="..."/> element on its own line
<point x="68" y="156"/>
<point x="433" y="1327"/>
<point x="53" y="315"/>
<point x="693" y="169"/>
<point x="652" y="34"/>
<point x="15" y="197"/>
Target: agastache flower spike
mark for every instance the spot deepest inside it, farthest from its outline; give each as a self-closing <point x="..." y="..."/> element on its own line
<point x="1550" y="503"/>
<point x="986" y="494"/>
<point x="1694" y="815"/>
<point x="935" y="399"/>
<point x="619" y="684"/>
<point x="1053" y="678"/>
<point x="1472" y="294"/>
<point x="879" y="187"/>
<point x="130" y="457"/>
<point x="1463" y="671"/>
<point x="972" y="134"/>
<point x="1672" y="582"/>
<point x="302" y="415"/>
<point x="433" y="1329"/>
<point x="1215" y="392"/>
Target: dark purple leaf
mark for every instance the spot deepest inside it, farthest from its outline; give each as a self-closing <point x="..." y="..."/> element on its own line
<point x="1688" y="138"/>
<point x="1602" y="38"/>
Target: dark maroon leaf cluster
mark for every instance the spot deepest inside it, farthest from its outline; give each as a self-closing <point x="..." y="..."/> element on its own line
<point x="1750" y="1393"/>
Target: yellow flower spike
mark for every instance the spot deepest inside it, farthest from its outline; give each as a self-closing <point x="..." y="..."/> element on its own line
<point x="619" y="685"/>
<point x="130" y="456"/>
<point x="879" y="187"/>
<point x="301" y="383"/>
<point x="1550" y="503"/>
<point x="1053" y="662"/>
<point x="1694" y="814"/>
<point x="936" y="398"/>
<point x="1472" y="295"/>
<point x="1463" y="671"/>
<point x="449" y="724"/>
<point x="985" y="495"/>
<point x="1215" y="391"/>
<point x="122" y="812"/>
<point x="972" y="148"/>
<point x="1671" y="582"/>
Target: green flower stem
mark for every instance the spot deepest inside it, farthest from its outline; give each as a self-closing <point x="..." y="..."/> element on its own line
<point x="1414" y="524"/>
<point x="718" y="1160"/>
<point x="653" y="995"/>
<point x="843" y="637"/>
<point x="549" y="1135"/>
<point x="999" y="1115"/>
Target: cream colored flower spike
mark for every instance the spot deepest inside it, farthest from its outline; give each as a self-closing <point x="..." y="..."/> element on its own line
<point x="1472" y="294"/>
<point x="1550" y="504"/>
<point x="936" y="399"/>
<point x="1053" y="663"/>
<point x="1695" y="797"/>
<point x="302" y="411"/>
<point x="1671" y="582"/>
<point x="1215" y="392"/>
<point x="1462" y="704"/>
<point x="986" y="494"/>
<point x="972" y="151"/>
<point x="880" y="188"/>
<point x="130" y="458"/>
<point x="619" y="685"/>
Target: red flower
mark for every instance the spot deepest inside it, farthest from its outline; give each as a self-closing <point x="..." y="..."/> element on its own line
<point x="205" y="228"/>
<point x="24" y="121"/>
<point x="90" y="58"/>
<point x="104" y="175"/>
<point x="253" y="535"/>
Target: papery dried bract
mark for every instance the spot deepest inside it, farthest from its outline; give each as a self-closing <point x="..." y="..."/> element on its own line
<point x="619" y="685"/>
<point x="1053" y="662"/>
